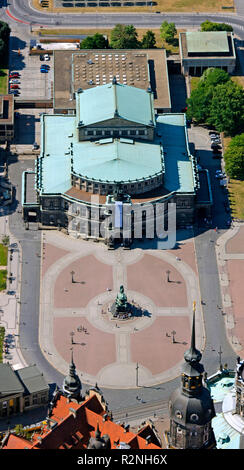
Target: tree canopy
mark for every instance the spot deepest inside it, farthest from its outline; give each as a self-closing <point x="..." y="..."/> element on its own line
<point x="97" y="41"/>
<point x="234" y="157"/>
<point x="124" y="37"/>
<point x="210" y="26"/>
<point x="148" y="41"/>
<point x="168" y="32"/>
<point x="217" y="101"/>
<point x="4" y="38"/>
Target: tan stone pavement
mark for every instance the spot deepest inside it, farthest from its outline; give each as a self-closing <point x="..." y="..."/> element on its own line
<point x="110" y="350"/>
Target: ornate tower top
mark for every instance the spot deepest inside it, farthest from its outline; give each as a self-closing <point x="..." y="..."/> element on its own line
<point x="72" y="384"/>
<point x="191" y="406"/>
<point x="192" y="355"/>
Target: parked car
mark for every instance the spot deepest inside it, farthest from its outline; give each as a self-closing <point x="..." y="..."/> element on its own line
<point x="44" y="70"/>
<point x="215" y="145"/>
<point x="41" y="57"/>
<point x="14" y="75"/>
<point x="14" y="92"/>
<point x="220" y="176"/>
<point x="46" y="57"/>
<point x="35" y="146"/>
<point x="14" y="87"/>
<point x="14" y="80"/>
<point x="213" y="133"/>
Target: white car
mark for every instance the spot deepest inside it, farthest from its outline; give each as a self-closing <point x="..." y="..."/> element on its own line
<point x="46" y="57"/>
<point x="14" y="80"/>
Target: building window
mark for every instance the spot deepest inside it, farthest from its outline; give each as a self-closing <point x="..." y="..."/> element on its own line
<point x="141" y="133"/>
<point x="27" y="401"/>
<point x="90" y="133"/>
<point x="43" y="398"/>
<point x="35" y="399"/>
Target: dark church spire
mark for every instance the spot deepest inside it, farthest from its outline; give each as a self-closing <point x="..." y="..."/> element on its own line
<point x="193" y="355"/>
<point x="72" y="384"/>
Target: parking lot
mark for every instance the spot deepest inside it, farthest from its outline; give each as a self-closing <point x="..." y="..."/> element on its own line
<point x="33" y="85"/>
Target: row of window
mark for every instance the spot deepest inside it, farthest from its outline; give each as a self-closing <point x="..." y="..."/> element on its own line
<point x="116" y="132"/>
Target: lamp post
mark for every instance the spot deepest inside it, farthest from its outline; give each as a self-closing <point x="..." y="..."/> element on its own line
<point x="72" y="337"/>
<point x="220" y="352"/>
<point x="137" y="368"/>
<point x="173" y="336"/>
<point x="72" y="277"/>
<point x="168" y="273"/>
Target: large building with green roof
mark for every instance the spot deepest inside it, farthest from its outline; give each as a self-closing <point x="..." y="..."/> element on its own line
<point x="115" y="150"/>
<point x="201" y="50"/>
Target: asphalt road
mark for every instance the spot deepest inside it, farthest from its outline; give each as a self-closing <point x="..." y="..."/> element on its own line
<point x="23" y="11"/>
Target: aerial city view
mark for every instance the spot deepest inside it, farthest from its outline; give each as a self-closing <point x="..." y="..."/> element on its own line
<point x="121" y="225"/>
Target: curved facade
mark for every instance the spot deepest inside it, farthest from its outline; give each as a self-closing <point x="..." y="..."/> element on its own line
<point x="114" y="154"/>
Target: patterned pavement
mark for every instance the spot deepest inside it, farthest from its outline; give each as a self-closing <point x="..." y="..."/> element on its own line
<point x="106" y="350"/>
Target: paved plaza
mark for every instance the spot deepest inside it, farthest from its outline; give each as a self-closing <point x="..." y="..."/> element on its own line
<point x="80" y="281"/>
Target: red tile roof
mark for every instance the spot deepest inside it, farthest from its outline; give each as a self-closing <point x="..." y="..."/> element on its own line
<point x="71" y="425"/>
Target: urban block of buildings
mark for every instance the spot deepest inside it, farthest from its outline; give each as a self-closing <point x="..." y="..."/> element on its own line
<point x="75" y="421"/>
<point x="21" y="389"/>
<point x="202" y="50"/>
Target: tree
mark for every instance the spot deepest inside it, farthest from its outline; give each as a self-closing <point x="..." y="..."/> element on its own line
<point x="214" y="77"/>
<point x="168" y="32"/>
<point x="148" y="40"/>
<point x="198" y="105"/>
<point x="234" y="157"/>
<point x="226" y="112"/>
<point x="209" y="26"/>
<point x="98" y="41"/>
<point x="217" y="101"/>
<point x="4" y="31"/>
<point x="124" y="37"/>
<point x="5" y="240"/>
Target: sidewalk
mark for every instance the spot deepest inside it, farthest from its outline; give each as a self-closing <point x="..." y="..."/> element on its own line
<point x="231" y="305"/>
<point x="9" y="299"/>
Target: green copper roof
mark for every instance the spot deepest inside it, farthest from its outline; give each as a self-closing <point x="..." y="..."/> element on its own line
<point x="102" y="102"/>
<point x="55" y="166"/>
<point x="213" y="41"/>
<point x="117" y="160"/>
<point x="179" y="174"/>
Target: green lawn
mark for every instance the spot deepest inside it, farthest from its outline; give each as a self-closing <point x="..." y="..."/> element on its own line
<point x="3" y="255"/>
<point x="2" y="333"/>
<point x="3" y="279"/>
<point x="236" y="197"/>
<point x="3" y="81"/>
<point x="194" y="82"/>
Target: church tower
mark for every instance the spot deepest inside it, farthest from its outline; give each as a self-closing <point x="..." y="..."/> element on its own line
<point x="72" y="384"/>
<point x="191" y="406"/>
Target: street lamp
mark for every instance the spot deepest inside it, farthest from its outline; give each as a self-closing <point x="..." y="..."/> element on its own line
<point x="137" y="368"/>
<point x="72" y="277"/>
<point x="168" y="273"/>
<point x="173" y="336"/>
<point x="72" y="337"/>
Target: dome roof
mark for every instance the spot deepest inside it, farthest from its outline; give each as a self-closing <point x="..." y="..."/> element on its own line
<point x="197" y="410"/>
<point x="72" y="384"/>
